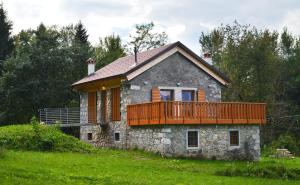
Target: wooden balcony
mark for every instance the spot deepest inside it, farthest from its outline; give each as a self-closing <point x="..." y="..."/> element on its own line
<point x="175" y="112"/>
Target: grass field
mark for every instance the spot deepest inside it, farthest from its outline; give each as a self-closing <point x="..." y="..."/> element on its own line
<point x="121" y="167"/>
<point x="43" y="155"/>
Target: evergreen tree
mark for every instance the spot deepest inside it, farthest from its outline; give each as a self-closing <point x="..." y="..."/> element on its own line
<point x="6" y="40"/>
<point x="81" y="34"/>
<point x="81" y="49"/>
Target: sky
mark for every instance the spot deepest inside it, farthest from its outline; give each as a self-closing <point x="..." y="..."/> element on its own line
<point x="182" y="20"/>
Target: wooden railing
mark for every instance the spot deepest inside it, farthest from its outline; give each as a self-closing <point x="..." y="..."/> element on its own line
<point x="177" y="112"/>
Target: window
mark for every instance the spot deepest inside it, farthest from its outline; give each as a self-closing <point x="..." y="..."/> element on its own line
<point x="90" y="136"/>
<point x="187" y="95"/>
<point x="92" y="107"/>
<point x="192" y="139"/>
<point x="166" y="95"/>
<point x="234" y="137"/>
<point x="115" y="104"/>
<point x="117" y="136"/>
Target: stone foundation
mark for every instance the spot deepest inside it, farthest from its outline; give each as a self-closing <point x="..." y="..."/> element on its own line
<point x="172" y="140"/>
<point x="213" y="141"/>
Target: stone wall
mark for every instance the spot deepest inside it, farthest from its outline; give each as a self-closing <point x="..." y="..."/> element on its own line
<point x="213" y="141"/>
<point x="83" y="107"/>
<point x="168" y="73"/>
<point x="104" y="136"/>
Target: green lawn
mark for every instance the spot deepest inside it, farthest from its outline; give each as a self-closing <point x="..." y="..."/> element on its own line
<point x="121" y="167"/>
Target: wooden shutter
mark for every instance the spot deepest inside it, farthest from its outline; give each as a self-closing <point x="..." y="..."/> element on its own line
<point x="201" y="95"/>
<point x="115" y="104"/>
<point x="155" y="94"/>
<point x="92" y="107"/>
<point x="103" y="106"/>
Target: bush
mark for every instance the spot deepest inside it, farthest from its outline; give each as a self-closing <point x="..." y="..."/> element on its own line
<point x="2" y="152"/>
<point x="284" y="141"/>
<point x="38" y="137"/>
<point x="271" y="171"/>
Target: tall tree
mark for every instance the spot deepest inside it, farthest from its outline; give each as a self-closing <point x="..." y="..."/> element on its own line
<point x="81" y="50"/>
<point x="109" y="49"/>
<point x="145" y="38"/>
<point x="81" y="34"/>
<point x="249" y="57"/>
<point x="6" y="40"/>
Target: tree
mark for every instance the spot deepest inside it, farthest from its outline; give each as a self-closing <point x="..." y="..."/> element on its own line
<point x="40" y="73"/>
<point x="145" y="39"/>
<point x="81" y="34"/>
<point x="249" y="57"/>
<point x="109" y="49"/>
<point x="81" y="50"/>
<point x="6" y="40"/>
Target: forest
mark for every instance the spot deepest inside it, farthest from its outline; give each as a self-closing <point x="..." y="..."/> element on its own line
<point x="38" y="66"/>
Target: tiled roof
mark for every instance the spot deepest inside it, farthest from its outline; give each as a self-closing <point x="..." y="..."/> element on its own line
<point x="122" y="65"/>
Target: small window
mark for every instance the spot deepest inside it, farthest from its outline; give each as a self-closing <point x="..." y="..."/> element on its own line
<point x="192" y="139"/>
<point x="90" y="136"/>
<point x="117" y="136"/>
<point x="234" y="137"/>
<point x="166" y="95"/>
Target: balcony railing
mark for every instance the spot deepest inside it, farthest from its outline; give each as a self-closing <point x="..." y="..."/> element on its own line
<point x="177" y="112"/>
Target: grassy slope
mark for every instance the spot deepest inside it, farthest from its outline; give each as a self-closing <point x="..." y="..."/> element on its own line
<point x="119" y="167"/>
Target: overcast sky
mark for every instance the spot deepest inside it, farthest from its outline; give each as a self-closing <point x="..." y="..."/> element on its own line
<point x="182" y="20"/>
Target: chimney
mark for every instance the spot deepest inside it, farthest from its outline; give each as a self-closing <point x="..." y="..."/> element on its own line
<point x="207" y="58"/>
<point x="91" y="65"/>
<point x="135" y="55"/>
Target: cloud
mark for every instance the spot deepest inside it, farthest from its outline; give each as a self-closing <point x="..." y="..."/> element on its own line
<point x="291" y="21"/>
<point x="182" y="20"/>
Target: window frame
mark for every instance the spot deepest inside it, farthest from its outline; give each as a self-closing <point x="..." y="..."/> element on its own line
<point x="187" y="139"/>
<point x="229" y="138"/>
<point x="117" y="132"/>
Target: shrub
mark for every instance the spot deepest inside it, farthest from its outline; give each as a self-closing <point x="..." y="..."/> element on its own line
<point x="270" y="171"/>
<point x="40" y="138"/>
<point x="284" y="141"/>
<point x="2" y="152"/>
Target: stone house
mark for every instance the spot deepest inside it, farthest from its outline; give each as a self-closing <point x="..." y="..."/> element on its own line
<point x="167" y="100"/>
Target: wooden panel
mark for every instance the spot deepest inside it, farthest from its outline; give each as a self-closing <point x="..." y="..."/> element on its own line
<point x="155" y="94"/>
<point x="103" y="106"/>
<point x="92" y="107"/>
<point x="115" y="104"/>
<point x="201" y="95"/>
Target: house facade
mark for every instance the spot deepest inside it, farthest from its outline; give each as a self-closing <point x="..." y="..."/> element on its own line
<point x="167" y="100"/>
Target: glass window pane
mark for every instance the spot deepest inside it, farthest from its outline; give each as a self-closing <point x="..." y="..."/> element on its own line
<point x="187" y="95"/>
<point x="234" y="138"/>
<point x="192" y="138"/>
